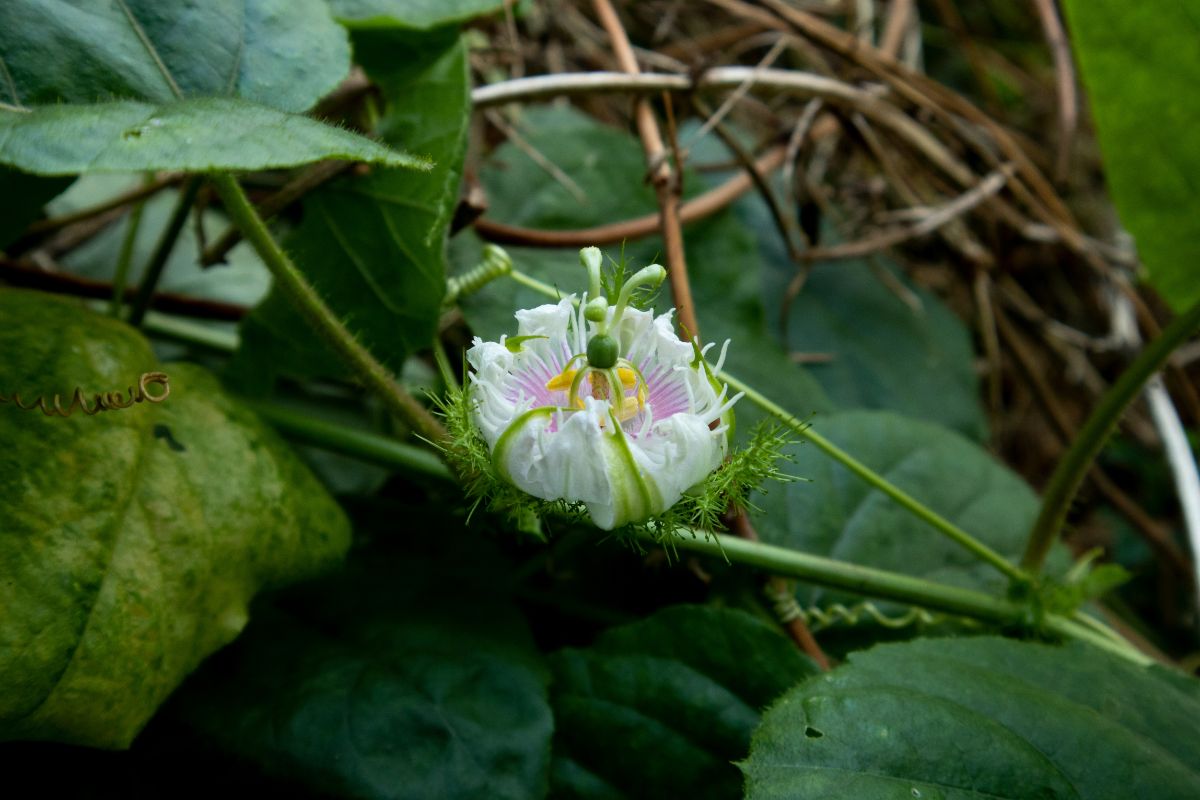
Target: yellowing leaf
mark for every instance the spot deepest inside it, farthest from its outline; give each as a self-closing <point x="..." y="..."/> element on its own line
<point x="132" y="541"/>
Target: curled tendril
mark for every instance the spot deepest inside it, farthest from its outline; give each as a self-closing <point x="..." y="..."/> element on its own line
<point x="817" y="618"/>
<point x="103" y="401"/>
<point x="495" y="263"/>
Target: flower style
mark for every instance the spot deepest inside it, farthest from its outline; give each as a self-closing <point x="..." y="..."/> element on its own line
<point x="602" y="405"/>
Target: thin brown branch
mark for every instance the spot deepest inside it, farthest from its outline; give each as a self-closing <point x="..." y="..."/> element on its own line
<point x="936" y="99"/>
<point x="18" y="273"/>
<point x="700" y="207"/>
<point x="1064" y="74"/>
<point x="934" y="219"/>
<point x="785" y="222"/>
<point x="141" y="191"/>
<point x="894" y="31"/>
<point x="659" y="168"/>
<point x="948" y="11"/>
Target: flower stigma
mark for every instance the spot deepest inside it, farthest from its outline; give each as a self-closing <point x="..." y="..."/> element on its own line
<point x="600" y="403"/>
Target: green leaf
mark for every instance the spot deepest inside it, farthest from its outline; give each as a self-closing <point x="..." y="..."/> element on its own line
<point x="22" y="197"/>
<point x="283" y="53"/>
<point x="417" y="14"/>
<point x="1141" y="67"/>
<point x="981" y="718"/>
<point x="374" y="245"/>
<point x="405" y="676"/>
<point x="886" y="353"/>
<point x="660" y="708"/>
<point x="834" y="513"/>
<point x="190" y="135"/>
<point x="133" y="540"/>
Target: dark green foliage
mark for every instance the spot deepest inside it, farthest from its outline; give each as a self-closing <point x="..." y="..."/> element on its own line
<point x="834" y="513"/>
<point x="407" y="676"/>
<point x="661" y="708"/>
<point x="981" y="718"/>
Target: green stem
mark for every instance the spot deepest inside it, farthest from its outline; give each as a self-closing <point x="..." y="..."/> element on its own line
<point x="886" y="585"/>
<point x="304" y="297"/>
<point x="533" y="283"/>
<point x="188" y="331"/>
<point x="126" y="255"/>
<point x="362" y="444"/>
<point x="902" y="498"/>
<point x="826" y="572"/>
<point x="443" y="364"/>
<point x="1076" y="462"/>
<point x="162" y="251"/>
<point x="898" y="495"/>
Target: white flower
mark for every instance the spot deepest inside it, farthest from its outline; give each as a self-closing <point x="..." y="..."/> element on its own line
<point x="557" y="431"/>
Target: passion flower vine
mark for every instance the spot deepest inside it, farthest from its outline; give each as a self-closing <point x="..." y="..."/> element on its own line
<point x="601" y="404"/>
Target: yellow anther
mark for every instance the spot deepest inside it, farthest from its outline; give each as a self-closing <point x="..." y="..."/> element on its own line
<point x="562" y="381"/>
<point x="628" y="377"/>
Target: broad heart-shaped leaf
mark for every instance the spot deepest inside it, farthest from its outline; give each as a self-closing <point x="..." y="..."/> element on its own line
<point x="188" y="135"/>
<point x="662" y="707"/>
<point x="131" y="541"/>
<point x="374" y="245"/>
<point x="834" y="513"/>
<point x="1141" y="66"/>
<point x="609" y="168"/>
<point x="944" y="719"/>
<point x="409" y="675"/>
<point x="417" y="14"/>
<point x="886" y="354"/>
<point x="283" y="53"/>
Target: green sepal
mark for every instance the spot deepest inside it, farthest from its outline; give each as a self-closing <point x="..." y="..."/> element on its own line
<point x="515" y="344"/>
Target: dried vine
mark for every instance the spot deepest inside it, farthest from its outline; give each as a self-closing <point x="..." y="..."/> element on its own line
<point x="101" y="401"/>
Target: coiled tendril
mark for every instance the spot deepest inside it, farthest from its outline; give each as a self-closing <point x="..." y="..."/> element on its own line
<point x="495" y="264"/>
<point x="817" y="618"/>
<point x="104" y="401"/>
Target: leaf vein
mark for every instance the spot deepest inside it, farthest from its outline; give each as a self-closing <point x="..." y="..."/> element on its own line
<point x="140" y="32"/>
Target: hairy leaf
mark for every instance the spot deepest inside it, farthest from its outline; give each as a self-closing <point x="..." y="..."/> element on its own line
<point x="407" y="676"/>
<point x="981" y="718"/>
<point x="374" y="245"/>
<point x="192" y="135"/>
<point x="418" y="14"/>
<point x="133" y="540"/>
<point x="281" y="53"/>
<point x="662" y="707"/>
<point x="1141" y="66"/>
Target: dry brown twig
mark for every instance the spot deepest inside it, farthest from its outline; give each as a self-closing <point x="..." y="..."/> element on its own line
<point x="659" y="167"/>
<point x="697" y="208"/>
<point x="1064" y="71"/>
